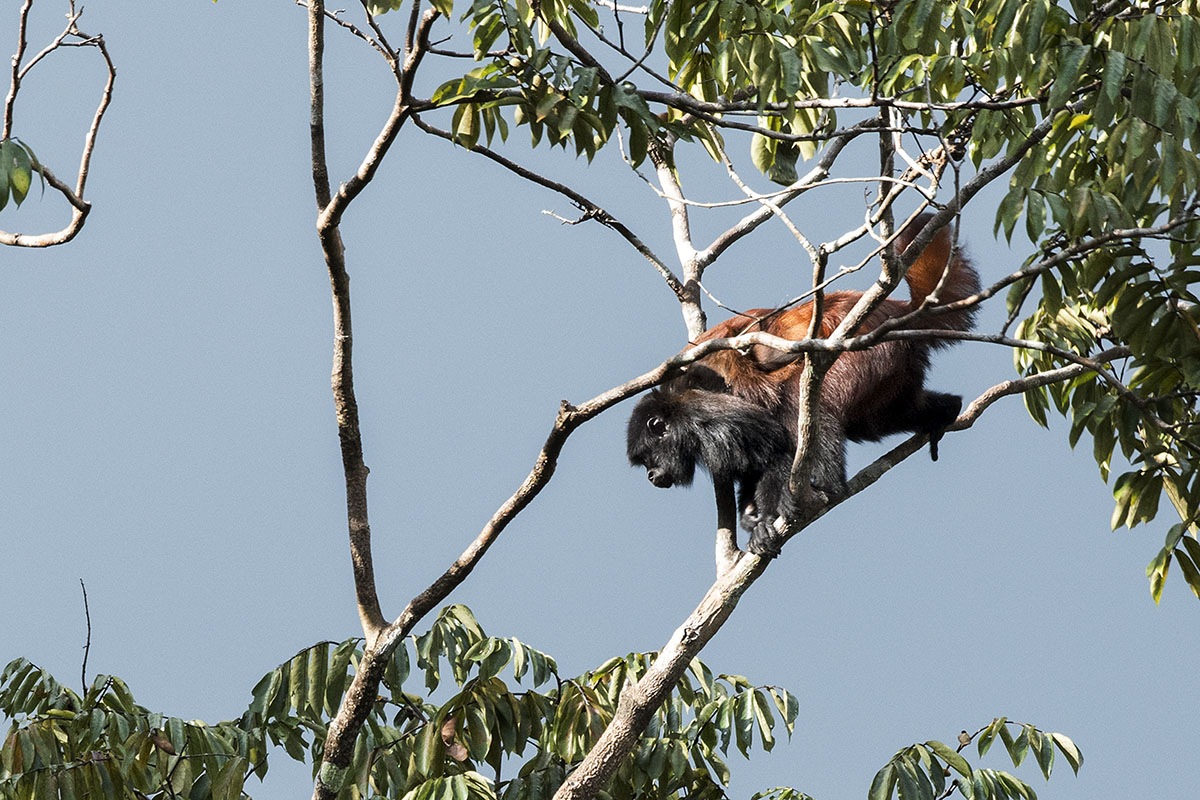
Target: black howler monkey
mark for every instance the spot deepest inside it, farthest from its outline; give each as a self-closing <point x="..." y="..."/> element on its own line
<point x="735" y="411"/>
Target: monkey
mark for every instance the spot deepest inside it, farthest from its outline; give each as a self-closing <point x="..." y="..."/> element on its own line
<point x="696" y="420"/>
<point x="704" y="415"/>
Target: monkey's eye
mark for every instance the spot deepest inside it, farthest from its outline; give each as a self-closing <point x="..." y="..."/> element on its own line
<point x="657" y="426"/>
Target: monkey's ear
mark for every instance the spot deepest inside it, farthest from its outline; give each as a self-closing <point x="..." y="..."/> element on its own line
<point x="698" y="376"/>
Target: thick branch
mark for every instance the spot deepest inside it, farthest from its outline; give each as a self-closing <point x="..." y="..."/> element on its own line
<point x="342" y="380"/>
<point x="639" y="701"/>
<point x="691" y="262"/>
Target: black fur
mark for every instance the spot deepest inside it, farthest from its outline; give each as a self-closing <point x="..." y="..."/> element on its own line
<point x="691" y="421"/>
<point x="735" y="412"/>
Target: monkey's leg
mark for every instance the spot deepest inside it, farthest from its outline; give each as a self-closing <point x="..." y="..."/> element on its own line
<point x="778" y="507"/>
<point x="829" y="461"/>
<point x="772" y="508"/>
<point x="750" y="508"/>
<point x="727" y="551"/>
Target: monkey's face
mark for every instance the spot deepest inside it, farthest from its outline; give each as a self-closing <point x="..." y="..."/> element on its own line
<point x="655" y="440"/>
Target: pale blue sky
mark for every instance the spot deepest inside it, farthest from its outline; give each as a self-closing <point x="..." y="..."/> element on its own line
<point x="168" y="435"/>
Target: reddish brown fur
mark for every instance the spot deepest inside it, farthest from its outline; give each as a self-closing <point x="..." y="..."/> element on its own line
<point x="872" y="392"/>
<point x="713" y="413"/>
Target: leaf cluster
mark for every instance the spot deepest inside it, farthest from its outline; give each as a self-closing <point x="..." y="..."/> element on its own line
<point x="412" y="746"/>
<point x="1110" y="196"/>
<point x="17" y="167"/>
<point x="103" y="744"/>
<point x="920" y="771"/>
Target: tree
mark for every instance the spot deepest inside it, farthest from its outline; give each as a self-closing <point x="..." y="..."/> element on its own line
<point x="1087" y="111"/>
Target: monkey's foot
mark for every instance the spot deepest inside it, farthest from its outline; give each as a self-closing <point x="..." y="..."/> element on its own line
<point x="767" y="537"/>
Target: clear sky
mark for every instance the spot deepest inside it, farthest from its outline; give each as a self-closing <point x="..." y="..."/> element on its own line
<point x="167" y="435"/>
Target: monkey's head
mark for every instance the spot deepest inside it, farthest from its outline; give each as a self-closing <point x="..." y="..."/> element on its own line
<point x="658" y="440"/>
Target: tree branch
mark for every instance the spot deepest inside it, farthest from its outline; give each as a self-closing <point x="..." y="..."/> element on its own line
<point x="342" y="379"/>
<point x="639" y="701"/>
<point x="15" y="85"/>
<point x="591" y="210"/>
<point x="80" y="208"/>
<point x="814" y="176"/>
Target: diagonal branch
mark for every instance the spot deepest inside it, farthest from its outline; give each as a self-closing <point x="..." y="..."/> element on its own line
<point x="879" y="291"/>
<point x="591" y="210"/>
<point x="639" y="701"/>
<point x="815" y="176"/>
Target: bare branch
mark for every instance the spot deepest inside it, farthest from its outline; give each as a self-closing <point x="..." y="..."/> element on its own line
<point x="639" y="701"/>
<point x="89" y="141"/>
<point x="377" y="42"/>
<point x="814" y="176"/>
<point x="661" y="155"/>
<point x="87" y="645"/>
<point x="15" y="85"/>
<point x="342" y="379"/>
<point x="71" y="36"/>
<point x="58" y="41"/>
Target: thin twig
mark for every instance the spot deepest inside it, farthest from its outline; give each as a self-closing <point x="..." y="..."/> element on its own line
<point x="591" y="210"/>
<point x="15" y="85"/>
<point x="87" y="645"/>
<point x="58" y="41"/>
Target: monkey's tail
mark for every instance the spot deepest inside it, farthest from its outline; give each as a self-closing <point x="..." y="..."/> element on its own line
<point x="925" y="274"/>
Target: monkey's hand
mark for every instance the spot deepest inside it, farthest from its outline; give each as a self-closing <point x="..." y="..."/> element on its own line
<point x="934" y="438"/>
<point x="750" y="517"/>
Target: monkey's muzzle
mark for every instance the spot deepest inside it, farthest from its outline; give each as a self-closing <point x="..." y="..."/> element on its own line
<point x="659" y="478"/>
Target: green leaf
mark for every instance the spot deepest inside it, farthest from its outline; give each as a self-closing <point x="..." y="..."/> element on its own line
<point x="1069" y="751"/>
<point x="884" y="782"/>
<point x="911" y="785"/>
<point x="1052" y="299"/>
<point x="1070" y="59"/>
<point x="429" y="748"/>
<point x="227" y="785"/>
<point x="336" y="676"/>
<point x="1043" y="750"/>
<point x="1190" y="573"/>
<point x="20" y="172"/>
<point x="762" y="153"/>
<point x="318" y="663"/>
<point x="1192" y="547"/>
<point x="951" y="757"/>
<point x="762" y="714"/>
